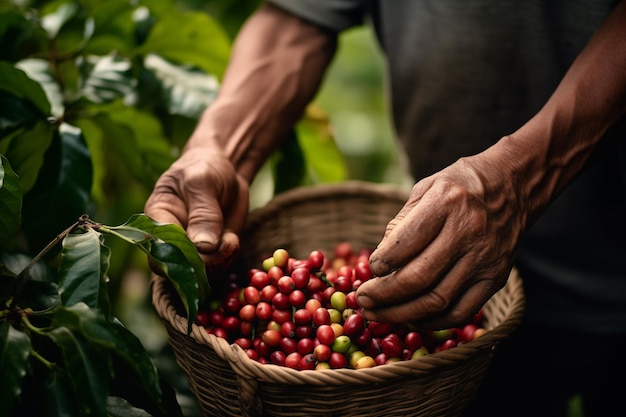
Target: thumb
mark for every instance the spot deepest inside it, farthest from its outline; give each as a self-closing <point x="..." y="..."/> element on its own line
<point x="205" y="223"/>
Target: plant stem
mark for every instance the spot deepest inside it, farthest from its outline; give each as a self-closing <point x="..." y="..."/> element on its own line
<point x="24" y="275"/>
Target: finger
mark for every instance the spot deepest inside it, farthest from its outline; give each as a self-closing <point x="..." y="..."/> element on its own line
<point x="424" y="272"/>
<point x="238" y="211"/>
<point x="425" y="311"/>
<point x="462" y="310"/>
<point x="408" y="236"/>
<point x="227" y="252"/>
<point x="165" y="207"/>
<point x="207" y="197"/>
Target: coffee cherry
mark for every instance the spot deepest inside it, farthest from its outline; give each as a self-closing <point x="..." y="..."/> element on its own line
<point x="325" y="334"/>
<point x="322" y="352"/>
<point x="280" y="257"/>
<point x="302" y="316"/>
<point x="202" y="318"/>
<point x="285" y="284"/>
<point x="264" y="311"/>
<point x="288" y="345"/>
<point x="316" y="260"/>
<point x="297" y="298"/>
<point x="307" y="362"/>
<point x="247" y="312"/>
<point x="259" y="279"/>
<point x="305" y="345"/>
<point x="288" y="329"/>
<point x="293" y="360"/>
<point x="364" y="362"/>
<point x="354" y="325"/>
<point x="392" y="346"/>
<point x="337" y="360"/>
<point x="272" y="337"/>
<point x="301" y="277"/>
<point x="321" y="316"/>
<point x="343" y="250"/>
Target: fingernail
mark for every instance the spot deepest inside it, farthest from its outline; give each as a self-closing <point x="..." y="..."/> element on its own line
<point x="364" y="301"/>
<point x="205" y="242"/>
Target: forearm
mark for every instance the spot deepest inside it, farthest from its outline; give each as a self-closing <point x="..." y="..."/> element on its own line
<point x="276" y="67"/>
<point x="548" y="151"/>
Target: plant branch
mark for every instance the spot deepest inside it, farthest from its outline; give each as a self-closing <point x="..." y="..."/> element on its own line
<point x="24" y="275"/>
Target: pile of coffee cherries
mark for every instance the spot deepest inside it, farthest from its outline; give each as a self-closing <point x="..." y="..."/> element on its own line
<point x="303" y="314"/>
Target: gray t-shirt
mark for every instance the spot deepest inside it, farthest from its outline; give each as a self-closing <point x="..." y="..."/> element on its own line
<point x="462" y="75"/>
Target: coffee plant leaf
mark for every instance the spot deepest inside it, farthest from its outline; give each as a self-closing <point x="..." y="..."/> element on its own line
<point x="135" y="376"/>
<point x="189" y="38"/>
<point x="15" y="82"/>
<point x="14" y="354"/>
<point x="25" y="128"/>
<point x="26" y="149"/>
<point x="171" y="250"/>
<point x="149" y="140"/>
<point x="54" y="394"/>
<point x="324" y="159"/>
<point x="63" y="187"/>
<point x="183" y="90"/>
<point x="129" y="141"/>
<point x="113" y="28"/>
<point x="18" y="37"/>
<point x="107" y="78"/>
<point x="40" y="291"/>
<point x="88" y="369"/>
<point x="289" y="165"/>
<point x="10" y="202"/>
<point x="55" y="17"/>
<point x="83" y="270"/>
<point x="39" y="70"/>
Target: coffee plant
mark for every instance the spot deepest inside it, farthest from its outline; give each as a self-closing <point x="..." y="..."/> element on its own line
<point x="97" y="97"/>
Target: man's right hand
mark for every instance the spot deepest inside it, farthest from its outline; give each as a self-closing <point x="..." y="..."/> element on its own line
<point x="202" y="193"/>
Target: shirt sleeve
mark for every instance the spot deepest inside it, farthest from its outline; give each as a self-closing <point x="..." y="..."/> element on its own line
<point x="335" y="15"/>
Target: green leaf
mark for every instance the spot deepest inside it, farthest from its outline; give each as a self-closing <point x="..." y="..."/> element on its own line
<point x="118" y="407"/>
<point x="126" y="141"/>
<point x="10" y="202"/>
<point x="54" y="394"/>
<point x="123" y="347"/>
<point x="168" y="246"/>
<point x="113" y="28"/>
<point x="39" y="70"/>
<point x="83" y="271"/>
<point x="152" y="146"/>
<point x="40" y="291"/>
<point x="54" y="20"/>
<point x="107" y="78"/>
<point x="289" y="165"/>
<point x="18" y="36"/>
<point x="323" y="158"/>
<point x="185" y="91"/>
<point x="25" y="148"/>
<point x="63" y="187"/>
<point x="189" y="38"/>
<point x="14" y="353"/>
<point x="88" y="368"/>
<point x="16" y="83"/>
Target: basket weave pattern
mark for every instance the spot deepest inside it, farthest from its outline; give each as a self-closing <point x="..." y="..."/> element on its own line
<point x="227" y="383"/>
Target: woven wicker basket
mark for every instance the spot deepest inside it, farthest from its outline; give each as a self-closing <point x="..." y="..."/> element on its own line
<point x="227" y="383"/>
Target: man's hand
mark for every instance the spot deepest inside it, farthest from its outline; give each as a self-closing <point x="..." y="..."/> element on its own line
<point x="202" y="193"/>
<point x="448" y="250"/>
